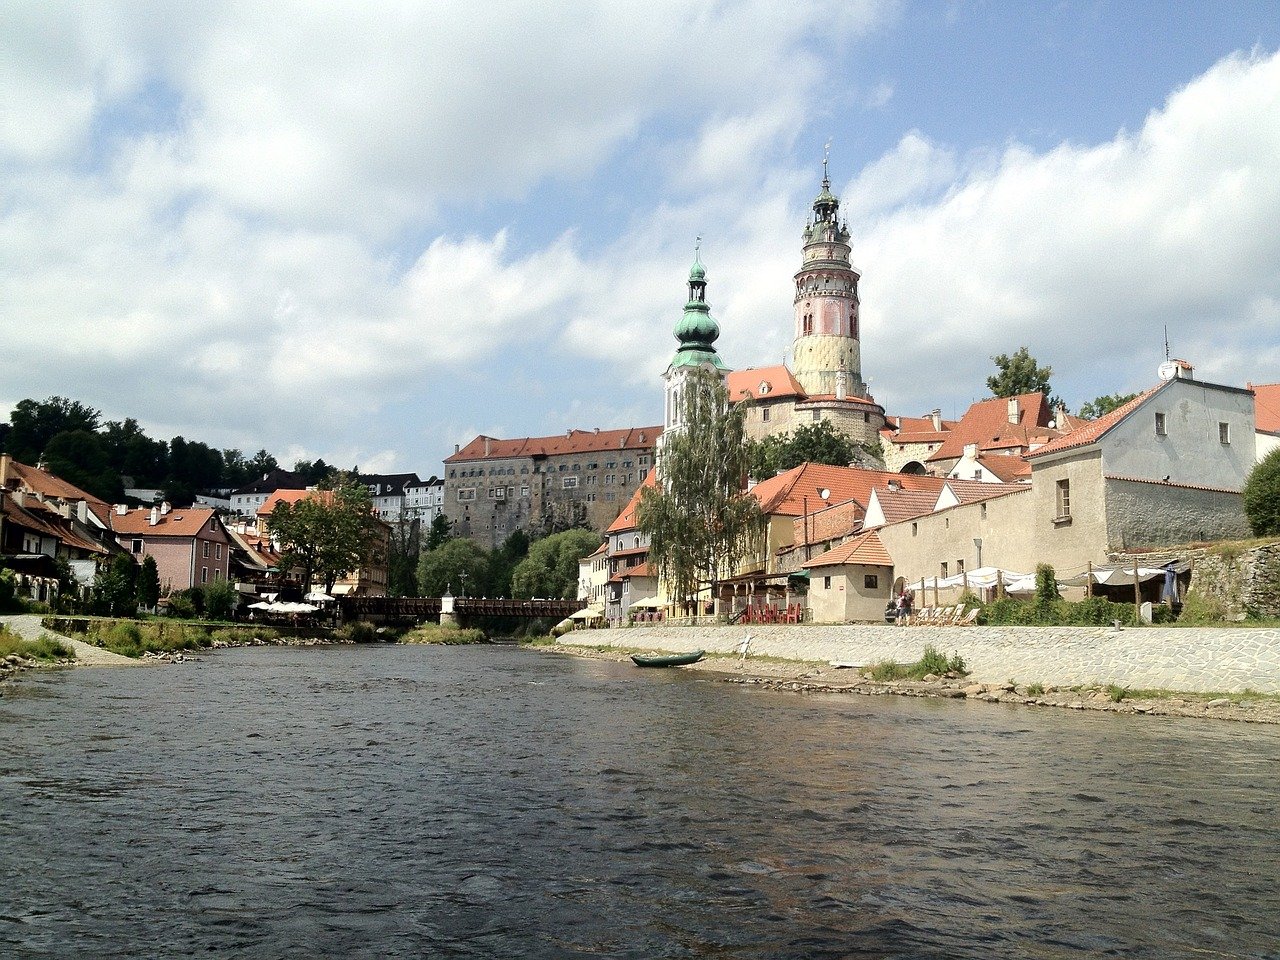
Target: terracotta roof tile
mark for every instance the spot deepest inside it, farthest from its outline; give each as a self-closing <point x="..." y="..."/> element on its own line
<point x="785" y="494"/>
<point x="1266" y="406"/>
<point x="743" y="384"/>
<point x="1095" y="429"/>
<point x="1008" y="469"/>
<point x="1161" y="483"/>
<point x="986" y="423"/>
<point x="42" y="482"/>
<point x="865" y="549"/>
<point x="898" y="505"/>
<point x="177" y="523"/>
<point x="570" y="442"/>
<point x="627" y="518"/>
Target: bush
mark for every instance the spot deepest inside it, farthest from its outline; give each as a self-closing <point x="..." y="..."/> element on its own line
<point x="1199" y="610"/>
<point x="1261" y="496"/>
<point x="1046" y="584"/>
<point x="1093" y="611"/>
<point x="10" y="602"/>
<point x="219" y="600"/>
<point x="451" y="636"/>
<point x="181" y="605"/>
<point x="932" y="661"/>
<point x="43" y="648"/>
<point x="357" y="631"/>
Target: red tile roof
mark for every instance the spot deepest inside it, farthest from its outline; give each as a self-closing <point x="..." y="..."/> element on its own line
<point x="828" y="523"/>
<point x="570" y="442"/>
<point x="986" y="423"/>
<point x="898" y="505"/>
<point x="1162" y="483"/>
<point x="1007" y="469"/>
<point x="42" y="482"/>
<point x="743" y="384"/>
<point x="627" y="518"/>
<point x="36" y="516"/>
<point x="865" y="548"/>
<point x="283" y="496"/>
<point x="1094" y="430"/>
<point x="177" y="523"/>
<point x="786" y="493"/>
<point x="1266" y="406"/>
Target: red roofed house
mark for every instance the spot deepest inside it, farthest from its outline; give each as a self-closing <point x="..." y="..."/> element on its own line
<point x="496" y="487"/>
<point x="1266" y="403"/>
<point x="1000" y="427"/>
<point x="851" y="582"/>
<point x="629" y="576"/>
<point x="1165" y="468"/>
<point x="191" y="547"/>
<point x="906" y="443"/>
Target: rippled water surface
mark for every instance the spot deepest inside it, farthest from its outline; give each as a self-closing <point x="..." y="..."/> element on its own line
<point x="495" y="802"/>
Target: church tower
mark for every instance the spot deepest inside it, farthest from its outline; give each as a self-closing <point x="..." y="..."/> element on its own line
<point x="697" y="332"/>
<point x="827" y="354"/>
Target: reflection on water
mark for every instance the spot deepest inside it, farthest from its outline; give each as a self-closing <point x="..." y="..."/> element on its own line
<point x="494" y="802"/>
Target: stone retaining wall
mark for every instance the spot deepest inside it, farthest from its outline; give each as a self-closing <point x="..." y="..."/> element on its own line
<point x="1192" y="659"/>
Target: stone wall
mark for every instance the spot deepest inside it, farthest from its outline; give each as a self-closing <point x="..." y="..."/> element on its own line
<point x="1243" y="583"/>
<point x="1174" y="658"/>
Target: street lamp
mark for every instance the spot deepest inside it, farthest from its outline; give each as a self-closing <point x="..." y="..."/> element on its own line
<point x="463" y="578"/>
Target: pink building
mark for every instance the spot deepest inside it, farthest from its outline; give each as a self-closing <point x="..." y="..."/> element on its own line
<point x="191" y="546"/>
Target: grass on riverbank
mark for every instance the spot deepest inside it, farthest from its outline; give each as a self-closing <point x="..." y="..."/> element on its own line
<point x="448" y="636"/>
<point x="133" y="638"/>
<point x="932" y="661"/>
<point x="45" y="648"/>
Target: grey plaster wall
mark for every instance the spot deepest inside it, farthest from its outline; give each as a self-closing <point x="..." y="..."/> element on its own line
<point x="1148" y="514"/>
<point x="1190" y="659"/>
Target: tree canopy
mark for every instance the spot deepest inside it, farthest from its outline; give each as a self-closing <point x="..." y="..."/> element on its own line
<point x="551" y="568"/>
<point x="459" y="566"/>
<point x="812" y="443"/>
<point x="699" y="519"/>
<point x="327" y="534"/>
<point x="1262" y="496"/>
<point x="1019" y="374"/>
<point x="33" y="423"/>
<point x="1101" y="406"/>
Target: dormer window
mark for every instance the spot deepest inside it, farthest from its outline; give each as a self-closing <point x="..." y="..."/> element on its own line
<point x="765" y="387"/>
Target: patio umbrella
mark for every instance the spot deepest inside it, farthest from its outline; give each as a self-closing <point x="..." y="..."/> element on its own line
<point x="317" y="596"/>
<point x="587" y="613"/>
<point x="260" y="605"/>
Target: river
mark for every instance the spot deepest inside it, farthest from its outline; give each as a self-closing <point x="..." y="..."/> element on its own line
<point x="497" y="802"/>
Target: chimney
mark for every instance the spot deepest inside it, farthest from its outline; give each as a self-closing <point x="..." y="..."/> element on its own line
<point x="1014" y="413"/>
<point x="82" y="511"/>
<point x="1060" y="416"/>
<point x="121" y="509"/>
<point x="597" y="429"/>
<point x="488" y="446"/>
<point x="1184" y="370"/>
<point x="155" y="516"/>
<point x="894" y="487"/>
<point x="164" y="507"/>
<point x="5" y="460"/>
<point x="457" y="448"/>
<point x="971" y="451"/>
<point x="936" y="417"/>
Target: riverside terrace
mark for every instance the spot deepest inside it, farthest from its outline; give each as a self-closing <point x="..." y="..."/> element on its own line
<point x="395" y="609"/>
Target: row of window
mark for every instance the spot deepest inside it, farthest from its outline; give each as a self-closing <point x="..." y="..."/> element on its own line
<point x="560" y="468"/>
<point x="1224" y="429"/>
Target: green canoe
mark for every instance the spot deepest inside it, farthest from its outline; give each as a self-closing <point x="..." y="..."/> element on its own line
<point x="667" y="659"/>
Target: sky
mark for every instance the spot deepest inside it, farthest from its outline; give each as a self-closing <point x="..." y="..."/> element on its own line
<point x="370" y="231"/>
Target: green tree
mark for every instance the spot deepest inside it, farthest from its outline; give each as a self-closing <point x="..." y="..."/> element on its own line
<point x="1101" y="406"/>
<point x="115" y="592"/>
<point x="80" y="458"/>
<point x="148" y="588"/>
<point x="219" y="599"/>
<point x="1262" y="496"/>
<point x="33" y="423"/>
<point x="1019" y="374"/>
<point x="502" y="564"/>
<point x="328" y="534"/>
<point x="812" y="443"/>
<point x="457" y="565"/>
<point x="403" y="553"/>
<point x="551" y="568"/>
<point x="699" y="519"/>
<point x="440" y="531"/>
<point x="130" y="452"/>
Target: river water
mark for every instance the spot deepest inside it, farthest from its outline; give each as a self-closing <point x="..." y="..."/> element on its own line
<point x="497" y="802"/>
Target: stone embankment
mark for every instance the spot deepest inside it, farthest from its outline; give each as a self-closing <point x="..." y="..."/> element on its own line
<point x="1191" y="659"/>
<point x="813" y="678"/>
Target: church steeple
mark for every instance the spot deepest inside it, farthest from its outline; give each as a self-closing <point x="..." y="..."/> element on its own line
<point x="697" y="330"/>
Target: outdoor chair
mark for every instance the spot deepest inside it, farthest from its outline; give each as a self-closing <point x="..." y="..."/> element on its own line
<point x="971" y="617"/>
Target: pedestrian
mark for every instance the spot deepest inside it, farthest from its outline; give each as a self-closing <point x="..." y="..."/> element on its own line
<point x="744" y="648"/>
<point x="897" y="607"/>
<point x="907" y="599"/>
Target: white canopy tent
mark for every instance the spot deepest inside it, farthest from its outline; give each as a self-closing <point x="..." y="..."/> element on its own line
<point x="587" y="613"/>
<point x="647" y="603"/>
<point x="984" y="578"/>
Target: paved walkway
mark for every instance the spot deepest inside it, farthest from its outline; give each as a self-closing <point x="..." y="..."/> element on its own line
<point x="28" y="627"/>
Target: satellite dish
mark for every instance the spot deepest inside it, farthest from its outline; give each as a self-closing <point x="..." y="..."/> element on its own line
<point x="824" y="493"/>
<point x="1167" y="370"/>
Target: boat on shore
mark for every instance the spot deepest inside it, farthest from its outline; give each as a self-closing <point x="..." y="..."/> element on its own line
<point x="667" y="659"/>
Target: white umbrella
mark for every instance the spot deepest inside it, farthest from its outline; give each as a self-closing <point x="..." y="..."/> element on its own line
<point x="648" y="602"/>
<point x="587" y="613"/>
<point x="260" y="605"/>
<point x="317" y="596"/>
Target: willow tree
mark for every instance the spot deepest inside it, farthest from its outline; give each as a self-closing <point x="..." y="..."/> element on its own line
<point x="700" y="520"/>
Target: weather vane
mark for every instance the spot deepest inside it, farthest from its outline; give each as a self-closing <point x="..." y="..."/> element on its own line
<point x="826" y="154"/>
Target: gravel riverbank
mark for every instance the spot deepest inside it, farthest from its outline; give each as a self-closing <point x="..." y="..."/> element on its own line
<point x="811" y="677"/>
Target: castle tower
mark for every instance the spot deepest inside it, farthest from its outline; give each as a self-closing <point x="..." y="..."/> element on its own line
<point x="697" y="332"/>
<point x="827" y="354"/>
